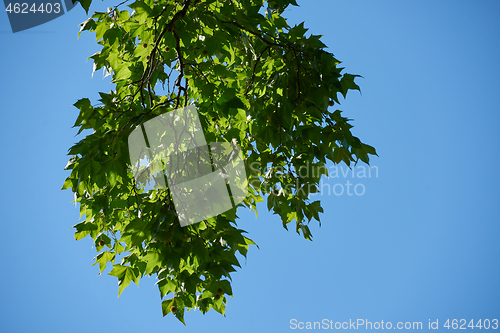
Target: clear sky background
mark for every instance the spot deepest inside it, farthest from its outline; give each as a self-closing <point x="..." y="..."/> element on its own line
<point x="421" y="243"/>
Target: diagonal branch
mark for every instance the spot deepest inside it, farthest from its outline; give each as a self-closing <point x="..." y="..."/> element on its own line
<point x="168" y="27"/>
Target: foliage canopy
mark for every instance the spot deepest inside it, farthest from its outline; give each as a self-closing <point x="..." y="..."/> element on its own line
<point x="253" y="79"/>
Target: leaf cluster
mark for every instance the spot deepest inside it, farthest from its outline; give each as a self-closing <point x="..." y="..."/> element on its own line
<point x="255" y="81"/>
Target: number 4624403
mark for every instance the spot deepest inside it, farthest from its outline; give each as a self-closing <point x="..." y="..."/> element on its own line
<point x="24" y="8"/>
<point x="463" y="325"/>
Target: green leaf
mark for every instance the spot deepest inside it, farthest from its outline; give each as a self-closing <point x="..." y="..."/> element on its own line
<point x="112" y="177"/>
<point x="153" y="260"/>
<point x="174" y="303"/>
<point x="85" y="4"/>
<point x="142" y="10"/>
<point x="71" y="163"/>
<point x="67" y="184"/>
<point x="347" y="82"/>
<point x="125" y="275"/>
<point x="103" y="258"/>
<point x="83" y="229"/>
<point x="89" y="24"/>
<point x="166" y="286"/>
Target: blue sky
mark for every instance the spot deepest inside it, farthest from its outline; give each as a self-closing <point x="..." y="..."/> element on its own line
<point x="420" y="244"/>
